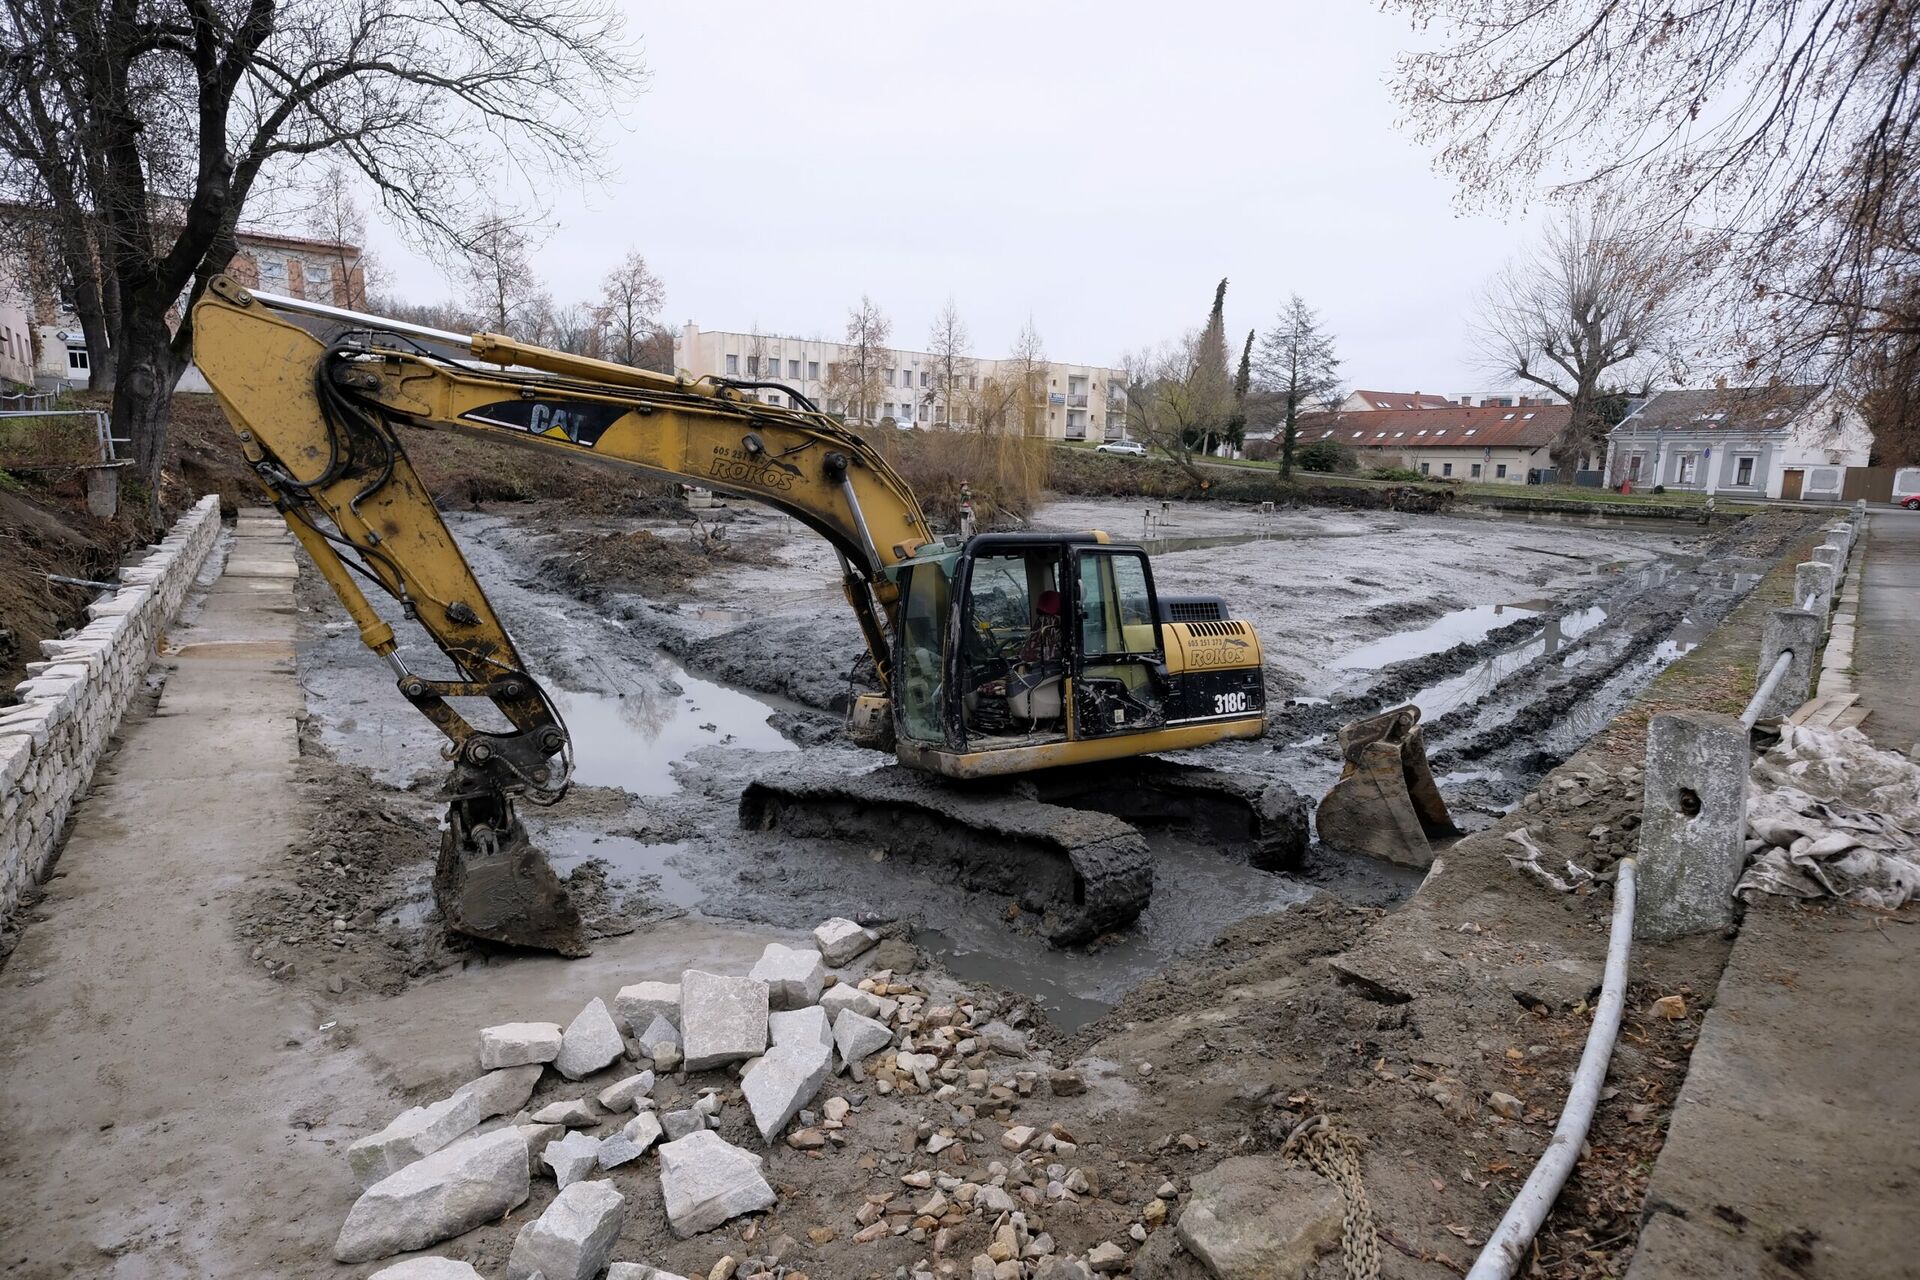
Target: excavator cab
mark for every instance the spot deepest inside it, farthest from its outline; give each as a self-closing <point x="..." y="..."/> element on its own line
<point x="1023" y="651"/>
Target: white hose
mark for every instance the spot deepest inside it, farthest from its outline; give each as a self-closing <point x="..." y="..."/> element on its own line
<point x="1511" y="1239"/>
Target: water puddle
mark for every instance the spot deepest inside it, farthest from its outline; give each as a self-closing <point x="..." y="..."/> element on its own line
<point x="629" y="860"/>
<point x="709" y="613"/>
<point x="1463" y="626"/>
<point x="1034" y="976"/>
<point x="633" y="742"/>
<point x="1482" y="679"/>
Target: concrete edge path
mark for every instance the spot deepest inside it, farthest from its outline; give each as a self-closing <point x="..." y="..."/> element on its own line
<point x="1794" y="1148"/>
<point x="149" y="1070"/>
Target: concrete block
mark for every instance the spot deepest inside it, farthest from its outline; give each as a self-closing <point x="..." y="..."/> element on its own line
<point x="413" y="1134"/>
<point x="590" y="1043"/>
<point x="573" y="1239"/>
<point x="638" y="1005"/>
<point x="436" y="1198"/>
<point x="1694" y="824"/>
<point x="623" y="1094"/>
<point x="858" y="1037"/>
<point x="513" y="1044"/>
<point x="572" y="1158"/>
<point x="706" y="1181"/>
<point x="841" y="940"/>
<point x="810" y="1025"/>
<point x="643" y="1130"/>
<point x="502" y="1092"/>
<point x="794" y="978"/>
<point x="427" y="1269"/>
<point x="1815" y="580"/>
<point x="1796" y="632"/>
<point x="722" y="1019"/>
<point x="844" y="995"/>
<point x="1829" y="554"/>
<point x="785" y="1080"/>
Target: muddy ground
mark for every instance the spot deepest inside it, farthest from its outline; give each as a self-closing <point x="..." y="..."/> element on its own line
<point x="679" y="691"/>
<point x="1241" y="1003"/>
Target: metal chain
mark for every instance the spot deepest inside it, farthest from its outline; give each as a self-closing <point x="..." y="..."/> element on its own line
<point x="1335" y="1156"/>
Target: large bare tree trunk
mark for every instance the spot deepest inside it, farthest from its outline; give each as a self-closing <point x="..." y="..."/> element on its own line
<point x="143" y="393"/>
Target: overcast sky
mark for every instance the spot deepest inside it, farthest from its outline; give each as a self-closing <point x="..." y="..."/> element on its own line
<point x="1099" y="166"/>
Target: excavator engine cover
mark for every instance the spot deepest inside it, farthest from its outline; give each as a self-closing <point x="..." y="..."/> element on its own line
<point x="491" y="882"/>
<point x="1385" y="804"/>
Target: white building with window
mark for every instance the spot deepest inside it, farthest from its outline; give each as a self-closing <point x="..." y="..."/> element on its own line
<point x="1083" y="402"/>
<point x="1478" y="444"/>
<point x="1773" y="442"/>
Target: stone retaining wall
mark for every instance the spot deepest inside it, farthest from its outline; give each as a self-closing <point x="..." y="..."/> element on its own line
<point x="72" y="703"/>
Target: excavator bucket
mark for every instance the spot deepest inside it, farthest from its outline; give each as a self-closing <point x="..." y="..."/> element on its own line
<point x="491" y="882"/>
<point x="1386" y="804"/>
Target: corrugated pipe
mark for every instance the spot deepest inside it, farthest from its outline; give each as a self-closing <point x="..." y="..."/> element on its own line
<point x="1512" y="1238"/>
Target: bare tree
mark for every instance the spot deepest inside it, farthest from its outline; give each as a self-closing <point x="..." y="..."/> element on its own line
<point x="581" y="328"/>
<point x="953" y="367"/>
<point x="1023" y="378"/>
<point x="1298" y="368"/>
<point x="1176" y="400"/>
<point x="855" y="380"/>
<point x="338" y="220"/>
<point x="631" y="297"/>
<point x="500" y="285"/>
<point x="1599" y="300"/>
<point x="158" y="121"/>
<point x="1777" y="135"/>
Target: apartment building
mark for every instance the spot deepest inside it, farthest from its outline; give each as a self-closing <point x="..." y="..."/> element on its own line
<point x="1078" y="401"/>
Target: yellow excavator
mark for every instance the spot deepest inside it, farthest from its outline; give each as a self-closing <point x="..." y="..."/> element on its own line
<point x="1046" y="656"/>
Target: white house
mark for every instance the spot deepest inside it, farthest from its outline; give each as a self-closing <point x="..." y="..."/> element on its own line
<point x="1774" y="442"/>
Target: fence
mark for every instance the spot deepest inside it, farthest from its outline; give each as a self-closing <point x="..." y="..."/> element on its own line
<point x="1693" y="831"/>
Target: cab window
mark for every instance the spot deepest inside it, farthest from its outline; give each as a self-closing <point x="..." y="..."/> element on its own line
<point x="923" y="650"/>
<point x="1116" y="607"/>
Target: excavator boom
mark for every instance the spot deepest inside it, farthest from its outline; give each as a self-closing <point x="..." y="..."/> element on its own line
<point x="317" y="417"/>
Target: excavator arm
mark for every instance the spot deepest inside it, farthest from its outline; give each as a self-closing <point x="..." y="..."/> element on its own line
<point x="317" y="394"/>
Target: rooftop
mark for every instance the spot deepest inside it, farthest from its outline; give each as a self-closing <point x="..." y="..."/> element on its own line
<point x="1455" y="426"/>
<point x="1403" y="399"/>
<point x="1723" y="409"/>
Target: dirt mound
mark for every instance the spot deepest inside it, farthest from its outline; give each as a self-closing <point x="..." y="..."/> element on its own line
<point x="647" y="562"/>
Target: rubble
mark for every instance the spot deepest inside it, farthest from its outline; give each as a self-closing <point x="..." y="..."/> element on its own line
<point x="678" y="1124"/>
<point x="625" y="1095"/>
<point x="639" y="1004"/>
<point x="706" y="1181"/>
<point x="437" y="1197"/>
<point x="859" y="1037"/>
<point x="722" y="1019"/>
<point x="784" y="1081"/>
<point x="643" y="1130"/>
<point x="1260" y="1216"/>
<point x="809" y="1025"/>
<point x="590" y="1043"/>
<point x="841" y="940"/>
<point x="572" y="1158"/>
<point x="515" y="1044"/>
<point x="794" y="978"/>
<point x="573" y="1239"/>
<point x="638" y="1271"/>
<point x="502" y="1092"/>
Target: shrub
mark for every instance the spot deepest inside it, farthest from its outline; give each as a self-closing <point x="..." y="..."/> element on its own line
<point x="1328" y="456"/>
<point x="1395" y="473"/>
<point x="1006" y="473"/>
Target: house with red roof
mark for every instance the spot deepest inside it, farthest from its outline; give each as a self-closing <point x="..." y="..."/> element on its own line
<point x="1496" y="444"/>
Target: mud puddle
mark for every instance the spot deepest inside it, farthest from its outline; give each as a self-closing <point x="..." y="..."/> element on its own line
<point x="1197" y="894"/>
<point x="635" y="741"/>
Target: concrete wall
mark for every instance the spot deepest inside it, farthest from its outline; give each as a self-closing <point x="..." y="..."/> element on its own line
<point x="70" y="706"/>
<point x="16" y="341"/>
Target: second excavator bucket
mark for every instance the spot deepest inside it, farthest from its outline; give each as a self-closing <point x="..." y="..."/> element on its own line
<point x="491" y="882"/>
<point x="1385" y="804"/>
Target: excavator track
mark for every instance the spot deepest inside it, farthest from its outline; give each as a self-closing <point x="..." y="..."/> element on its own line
<point x="1085" y="873"/>
<point x="1259" y="821"/>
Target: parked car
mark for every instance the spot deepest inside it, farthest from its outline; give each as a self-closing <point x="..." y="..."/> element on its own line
<point x="1906" y="487"/>
<point x="1131" y="448"/>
